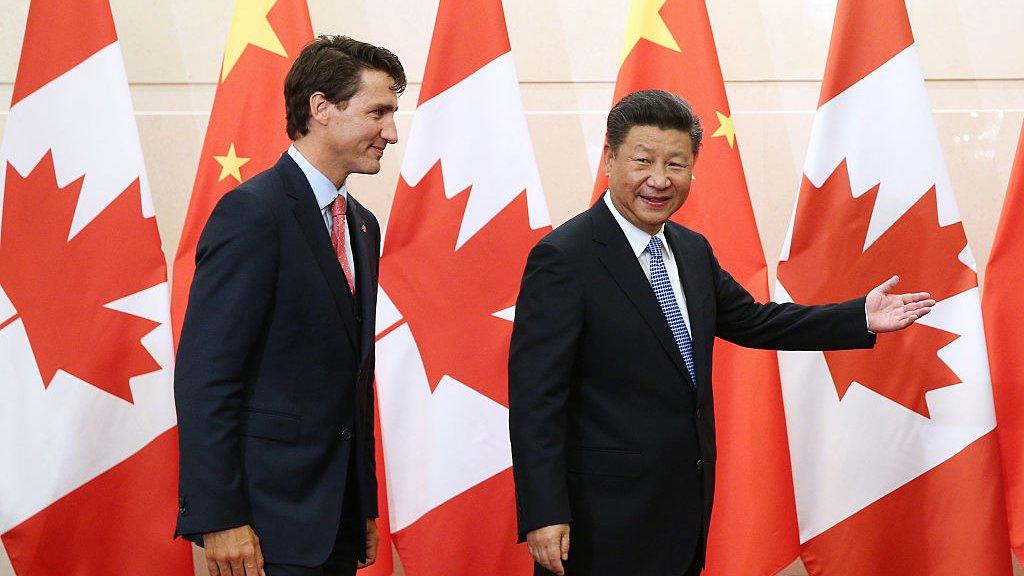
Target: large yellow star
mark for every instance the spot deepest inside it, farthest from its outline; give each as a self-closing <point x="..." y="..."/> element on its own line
<point x="249" y="25"/>
<point x="231" y="164"/>
<point x="725" y="128"/>
<point x="645" y="22"/>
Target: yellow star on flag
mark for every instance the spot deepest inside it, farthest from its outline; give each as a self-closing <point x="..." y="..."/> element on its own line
<point x="645" y="22"/>
<point x="231" y="164"/>
<point x="249" y="25"/>
<point x="725" y="128"/>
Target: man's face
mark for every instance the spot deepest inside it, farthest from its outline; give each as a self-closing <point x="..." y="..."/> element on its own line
<point x="649" y="175"/>
<point x="360" y="129"/>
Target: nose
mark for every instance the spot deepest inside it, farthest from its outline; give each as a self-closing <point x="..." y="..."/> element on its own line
<point x="658" y="178"/>
<point x="389" y="131"/>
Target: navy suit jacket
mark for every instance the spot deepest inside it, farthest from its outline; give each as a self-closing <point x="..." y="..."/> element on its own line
<point x="274" y="376"/>
<point x="608" y="432"/>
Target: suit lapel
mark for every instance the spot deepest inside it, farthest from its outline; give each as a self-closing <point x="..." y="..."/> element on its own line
<point x="311" y="221"/>
<point x="687" y="264"/>
<point x="620" y="261"/>
<point x="366" y="271"/>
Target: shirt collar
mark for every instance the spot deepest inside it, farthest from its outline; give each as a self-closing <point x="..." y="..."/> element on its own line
<point x="638" y="239"/>
<point x="323" y="188"/>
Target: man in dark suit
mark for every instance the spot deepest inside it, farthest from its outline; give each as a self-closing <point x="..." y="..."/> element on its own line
<point x="610" y="396"/>
<point x="274" y="377"/>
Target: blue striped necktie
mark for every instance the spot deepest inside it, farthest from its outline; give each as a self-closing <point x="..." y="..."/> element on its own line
<point x="669" y="306"/>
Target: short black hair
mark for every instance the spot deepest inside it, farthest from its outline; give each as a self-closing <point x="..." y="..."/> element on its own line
<point x="333" y="65"/>
<point x="652" y="108"/>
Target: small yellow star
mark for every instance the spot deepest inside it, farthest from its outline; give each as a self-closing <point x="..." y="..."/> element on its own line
<point x="644" y="21"/>
<point x="230" y="164"/>
<point x="249" y="25"/>
<point x="725" y="128"/>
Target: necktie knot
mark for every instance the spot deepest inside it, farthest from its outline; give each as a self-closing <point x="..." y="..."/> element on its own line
<point x="339" y="206"/>
<point x="654" y="247"/>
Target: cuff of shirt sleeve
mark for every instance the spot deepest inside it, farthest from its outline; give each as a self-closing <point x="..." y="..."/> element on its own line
<point x="867" y="322"/>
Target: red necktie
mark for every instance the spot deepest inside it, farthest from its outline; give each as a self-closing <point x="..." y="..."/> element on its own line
<point x="338" y="225"/>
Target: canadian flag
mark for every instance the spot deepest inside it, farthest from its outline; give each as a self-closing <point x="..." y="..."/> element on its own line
<point x="894" y="454"/>
<point x="753" y="524"/>
<point x="1003" y="306"/>
<point x="468" y="208"/>
<point x="87" y="432"/>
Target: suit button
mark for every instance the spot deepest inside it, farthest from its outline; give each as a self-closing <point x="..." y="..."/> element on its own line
<point x="698" y="414"/>
<point x="700" y="465"/>
<point x="181" y="506"/>
<point x="346" y="434"/>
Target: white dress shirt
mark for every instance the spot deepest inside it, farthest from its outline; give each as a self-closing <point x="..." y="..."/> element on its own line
<point x="325" y="193"/>
<point x="638" y="241"/>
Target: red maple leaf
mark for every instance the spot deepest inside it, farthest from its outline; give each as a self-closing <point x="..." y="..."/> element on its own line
<point x="449" y="296"/>
<point x="60" y="286"/>
<point x="827" y="263"/>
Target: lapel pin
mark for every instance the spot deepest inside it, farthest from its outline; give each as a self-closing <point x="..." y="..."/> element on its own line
<point x="363" y="227"/>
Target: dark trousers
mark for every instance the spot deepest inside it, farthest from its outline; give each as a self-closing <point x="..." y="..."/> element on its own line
<point x="348" y="545"/>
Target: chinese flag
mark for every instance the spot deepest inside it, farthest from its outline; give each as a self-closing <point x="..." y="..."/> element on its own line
<point x="669" y="46"/>
<point x="87" y="429"/>
<point x="246" y="133"/>
<point x="895" y="459"/>
<point x="1003" y="307"/>
<point x="467" y="210"/>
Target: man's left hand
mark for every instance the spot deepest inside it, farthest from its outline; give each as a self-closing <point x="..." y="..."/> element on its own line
<point x="890" y="312"/>
<point x="372" y="539"/>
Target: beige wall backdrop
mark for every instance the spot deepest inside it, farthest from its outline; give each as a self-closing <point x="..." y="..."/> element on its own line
<point x="772" y="54"/>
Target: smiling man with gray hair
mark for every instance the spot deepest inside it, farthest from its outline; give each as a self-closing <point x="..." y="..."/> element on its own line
<point x="610" y="393"/>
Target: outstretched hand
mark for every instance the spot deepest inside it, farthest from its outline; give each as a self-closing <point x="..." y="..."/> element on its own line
<point x="890" y="312"/>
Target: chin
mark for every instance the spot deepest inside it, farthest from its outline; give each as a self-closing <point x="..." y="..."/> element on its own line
<point x="370" y="168"/>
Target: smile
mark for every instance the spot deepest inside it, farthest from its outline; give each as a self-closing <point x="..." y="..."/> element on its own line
<point x="655" y="202"/>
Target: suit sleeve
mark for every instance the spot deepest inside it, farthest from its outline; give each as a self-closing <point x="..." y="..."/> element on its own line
<point x="548" y="324"/>
<point x="370" y="498"/>
<point x="742" y="320"/>
<point x="230" y="297"/>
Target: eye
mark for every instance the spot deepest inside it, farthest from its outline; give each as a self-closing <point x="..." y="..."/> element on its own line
<point x="641" y="160"/>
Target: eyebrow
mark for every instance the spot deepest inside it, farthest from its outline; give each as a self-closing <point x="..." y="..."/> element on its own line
<point x="384" y="106"/>
<point x="671" y="154"/>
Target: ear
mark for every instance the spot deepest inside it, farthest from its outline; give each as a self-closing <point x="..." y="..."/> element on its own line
<point x="318" y="108"/>
<point x="607" y="156"/>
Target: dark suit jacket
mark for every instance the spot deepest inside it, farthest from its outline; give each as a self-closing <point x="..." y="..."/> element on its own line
<point x="274" y="375"/>
<point x="607" y="433"/>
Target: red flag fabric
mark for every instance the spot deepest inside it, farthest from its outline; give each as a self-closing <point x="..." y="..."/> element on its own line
<point x="1003" y="308"/>
<point x="670" y="46"/>
<point x="86" y="408"/>
<point x="385" y="563"/>
<point x="246" y="133"/>
<point x="468" y="208"/>
<point x="894" y="454"/>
